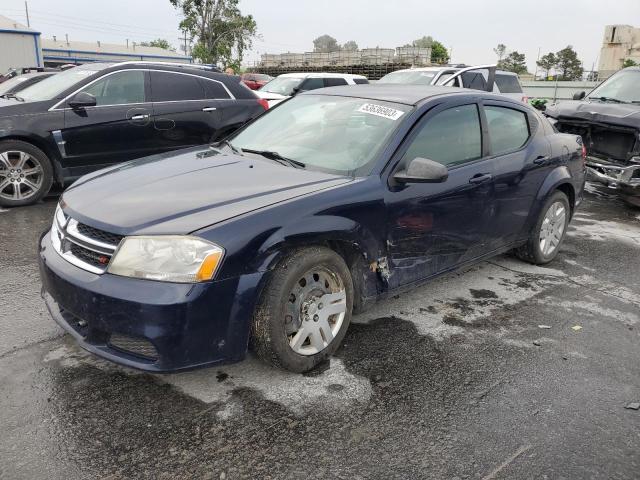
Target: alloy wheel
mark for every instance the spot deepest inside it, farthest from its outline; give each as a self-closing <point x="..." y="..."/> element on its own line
<point x="315" y="311"/>
<point x="552" y="228"/>
<point x="21" y="175"/>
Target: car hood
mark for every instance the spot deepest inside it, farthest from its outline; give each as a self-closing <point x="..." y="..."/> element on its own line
<point x="183" y="192"/>
<point x="623" y="114"/>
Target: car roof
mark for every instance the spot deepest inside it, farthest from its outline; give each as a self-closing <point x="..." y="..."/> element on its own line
<point x="320" y="75"/>
<point x="398" y="93"/>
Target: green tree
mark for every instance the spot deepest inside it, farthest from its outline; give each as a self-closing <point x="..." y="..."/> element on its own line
<point x="439" y="53"/>
<point x="221" y="32"/>
<point x="160" y="43"/>
<point x="350" y="46"/>
<point x="500" y="51"/>
<point x="629" y="63"/>
<point x="568" y="64"/>
<point x="424" y="42"/>
<point x="547" y="63"/>
<point x="325" y="44"/>
<point x="514" y="62"/>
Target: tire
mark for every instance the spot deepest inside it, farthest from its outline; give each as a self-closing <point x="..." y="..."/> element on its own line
<point x="535" y="250"/>
<point x="293" y="328"/>
<point x="18" y="187"/>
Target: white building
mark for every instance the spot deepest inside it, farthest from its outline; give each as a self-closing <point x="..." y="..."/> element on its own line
<point x="621" y="42"/>
<point x="19" y="46"/>
<point x="60" y="52"/>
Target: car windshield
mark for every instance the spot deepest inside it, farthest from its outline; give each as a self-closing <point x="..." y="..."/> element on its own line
<point x="52" y="87"/>
<point x="409" y="77"/>
<point x="282" y="85"/>
<point x="333" y="134"/>
<point x="624" y="86"/>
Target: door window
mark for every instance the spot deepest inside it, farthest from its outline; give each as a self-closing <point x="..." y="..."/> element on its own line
<point x="334" y="82"/>
<point x="119" y="88"/>
<point x="360" y="81"/>
<point x="214" y="90"/>
<point x="508" y="129"/>
<point x="312" y="84"/>
<point x="451" y="137"/>
<point x="171" y="87"/>
<point x="508" y="83"/>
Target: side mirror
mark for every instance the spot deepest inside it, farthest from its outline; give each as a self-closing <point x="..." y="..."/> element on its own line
<point x="579" y="95"/>
<point x="82" y="100"/>
<point x="295" y="91"/>
<point x="422" y="170"/>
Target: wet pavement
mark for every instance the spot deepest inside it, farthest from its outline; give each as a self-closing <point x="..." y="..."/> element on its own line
<point x="454" y="380"/>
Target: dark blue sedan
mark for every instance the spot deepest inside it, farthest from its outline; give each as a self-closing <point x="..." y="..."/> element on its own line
<point x="317" y="209"/>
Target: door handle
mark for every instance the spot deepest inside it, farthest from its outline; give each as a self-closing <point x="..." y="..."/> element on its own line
<point x="541" y="160"/>
<point x="481" y="178"/>
<point x="139" y="117"/>
<point x="209" y="109"/>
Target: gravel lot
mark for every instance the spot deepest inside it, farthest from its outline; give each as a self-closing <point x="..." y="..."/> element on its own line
<point x="454" y="380"/>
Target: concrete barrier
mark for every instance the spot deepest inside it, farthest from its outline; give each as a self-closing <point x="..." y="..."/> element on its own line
<point x="555" y="90"/>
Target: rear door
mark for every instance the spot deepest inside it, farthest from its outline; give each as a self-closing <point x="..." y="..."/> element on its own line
<point x="522" y="158"/>
<point x="118" y="128"/>
<point x="183" y="116"/>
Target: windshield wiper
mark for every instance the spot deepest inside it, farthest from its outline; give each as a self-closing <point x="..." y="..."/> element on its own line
<point x="276" y="156"/>
<point x="608" y="99"/>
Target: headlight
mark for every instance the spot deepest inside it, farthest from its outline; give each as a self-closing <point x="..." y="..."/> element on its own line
<point x="179" y="259"/>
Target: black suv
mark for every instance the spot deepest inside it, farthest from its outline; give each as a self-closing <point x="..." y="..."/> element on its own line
<point x="95" y="115"/>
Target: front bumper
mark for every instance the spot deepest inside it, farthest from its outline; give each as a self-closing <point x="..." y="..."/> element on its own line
<point x="625" y="179"/>
<point x="149" y="325"/>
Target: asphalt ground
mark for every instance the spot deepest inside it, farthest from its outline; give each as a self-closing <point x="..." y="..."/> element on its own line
<point x="458" y="379"/>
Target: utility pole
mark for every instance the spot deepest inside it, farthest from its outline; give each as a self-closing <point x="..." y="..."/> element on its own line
<point x="26" y="9"/>
<point x="185" y="42"/>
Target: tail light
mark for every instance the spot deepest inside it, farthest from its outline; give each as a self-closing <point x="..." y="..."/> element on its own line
<point x="263" y="103"/>
<point x="525" y="99"/>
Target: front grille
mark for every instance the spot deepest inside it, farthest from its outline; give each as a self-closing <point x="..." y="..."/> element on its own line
<point x="96" y="259"/>
<point x="100" y="235"/>
<point x="82" y="245"/>
<point x="134" y="346"/>
<point x="609" y="143"/>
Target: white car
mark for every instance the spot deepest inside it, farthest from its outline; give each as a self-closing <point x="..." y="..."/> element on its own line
<point x="288" y="84"/>
<point x="505" y="83"/>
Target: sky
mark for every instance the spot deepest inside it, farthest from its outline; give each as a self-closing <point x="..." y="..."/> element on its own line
<point x="469" y="28"/>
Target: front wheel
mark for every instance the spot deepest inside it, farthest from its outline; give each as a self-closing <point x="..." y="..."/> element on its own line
<point x="304" y="311"/>
<point x="549" y="232"/>
<point x="26" y="174"/>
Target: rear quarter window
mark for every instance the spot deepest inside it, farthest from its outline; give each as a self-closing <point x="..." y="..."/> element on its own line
<point x="508" y="83"/>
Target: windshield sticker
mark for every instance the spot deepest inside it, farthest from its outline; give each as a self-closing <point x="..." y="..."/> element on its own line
<point x="380" y="111"/>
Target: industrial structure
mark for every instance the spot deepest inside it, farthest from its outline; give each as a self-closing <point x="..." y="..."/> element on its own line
<point x="371" y="62"/>
<point x="620" y="43"/>
<point x="19" y="45"/>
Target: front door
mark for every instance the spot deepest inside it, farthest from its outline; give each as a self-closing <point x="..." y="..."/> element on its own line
<point x="435" y="227"/>
<point x="185" y="109"/>
<point x="117" y="129"/>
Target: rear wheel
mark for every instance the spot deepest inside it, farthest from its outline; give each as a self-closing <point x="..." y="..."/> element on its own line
<point x="549" y="232"/>
<point x="304" y="311"/>
<point x="26" y="174"/>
